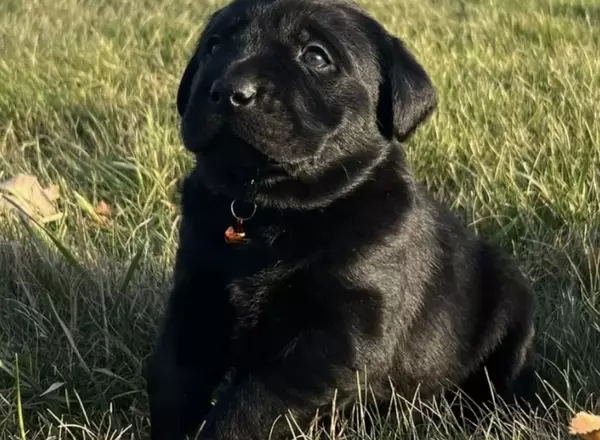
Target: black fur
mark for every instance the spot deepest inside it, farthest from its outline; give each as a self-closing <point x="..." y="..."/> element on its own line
<point x="351" y="266"/>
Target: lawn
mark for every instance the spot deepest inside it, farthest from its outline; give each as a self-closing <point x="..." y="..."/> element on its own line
<point x="87" y="94"/>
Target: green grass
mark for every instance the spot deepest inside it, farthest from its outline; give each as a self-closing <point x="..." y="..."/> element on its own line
<point x="87" y="93"/>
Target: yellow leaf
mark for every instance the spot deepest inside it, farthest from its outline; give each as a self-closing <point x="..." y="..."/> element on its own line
<point x="23" y="194"/>
<point x="585" y="425"/>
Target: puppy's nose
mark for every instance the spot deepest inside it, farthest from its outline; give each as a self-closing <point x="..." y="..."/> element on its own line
<point x="240" y="93"/>
<point x="243" y="94"/>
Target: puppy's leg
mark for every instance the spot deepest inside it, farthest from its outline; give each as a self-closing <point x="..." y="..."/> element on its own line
<point x="509" y="371"/>
<point x="524" y="386"/>
<point x="178" y="399"/>
<point x="255" y="405"/>
<point x="189" y="361"/>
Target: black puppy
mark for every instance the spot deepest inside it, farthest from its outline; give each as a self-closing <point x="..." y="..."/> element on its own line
<point x="295" y="110"/>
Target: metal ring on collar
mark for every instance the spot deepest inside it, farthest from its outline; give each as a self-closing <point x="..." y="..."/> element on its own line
<point x="242" y="218"/>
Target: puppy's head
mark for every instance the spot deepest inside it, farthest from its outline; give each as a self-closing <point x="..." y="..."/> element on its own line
<point x="292" y="102"/>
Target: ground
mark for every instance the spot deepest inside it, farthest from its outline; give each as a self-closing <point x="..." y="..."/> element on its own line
<point x="87" y="101"/>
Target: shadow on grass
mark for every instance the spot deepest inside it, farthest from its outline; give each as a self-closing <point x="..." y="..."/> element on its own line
<point x="81" y="328"/>
<point x="589" y="13"/>
<point x="79" y="333"/>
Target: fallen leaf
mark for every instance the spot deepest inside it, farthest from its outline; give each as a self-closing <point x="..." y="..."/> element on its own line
<point x="24" y="195"/>
<point x="52" y="192"/>
<point x="103" y="209"/>
<point x="585" y="425"/>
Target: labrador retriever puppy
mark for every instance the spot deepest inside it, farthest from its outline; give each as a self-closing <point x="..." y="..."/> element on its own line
<point x="307" y="252"/>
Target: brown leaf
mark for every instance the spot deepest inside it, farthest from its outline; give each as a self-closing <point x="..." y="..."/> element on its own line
<point x="103" y="209"/>
<point x="585" y="425"/>
<point x="52" y="192"/>
<point x="24" y="195"/>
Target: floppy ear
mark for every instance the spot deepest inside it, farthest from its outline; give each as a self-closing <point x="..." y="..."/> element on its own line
<point x="407" y="96"/>
<point x="187" y="79"/>
<point x="185" y="85"/>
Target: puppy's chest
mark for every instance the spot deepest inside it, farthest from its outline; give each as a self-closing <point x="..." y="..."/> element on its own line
<point x="252" y="274"/>
<point x="256" y="272"/>
<point x="261" y="302"/>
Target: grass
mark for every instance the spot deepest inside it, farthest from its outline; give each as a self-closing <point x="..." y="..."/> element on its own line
<point x="87" y="93"/>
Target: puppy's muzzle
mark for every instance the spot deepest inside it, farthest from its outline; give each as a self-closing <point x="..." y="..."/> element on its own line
<point x="237" y="93"/>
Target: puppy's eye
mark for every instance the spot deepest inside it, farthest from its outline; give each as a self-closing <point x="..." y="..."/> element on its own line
<point x="316" y="57"/>
<point x="213" y="44"/>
